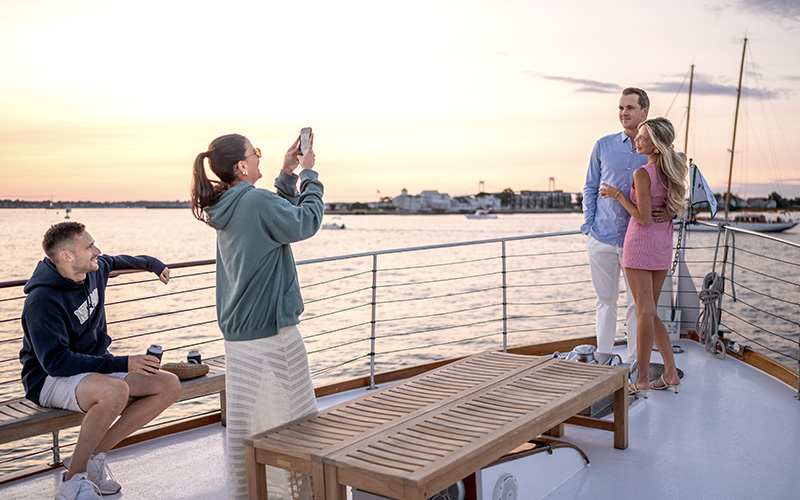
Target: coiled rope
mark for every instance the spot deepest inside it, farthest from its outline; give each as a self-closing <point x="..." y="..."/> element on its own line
<point x="707" y="325"/>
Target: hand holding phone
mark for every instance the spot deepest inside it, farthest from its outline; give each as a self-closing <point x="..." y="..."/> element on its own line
<point x="305" y="140"/>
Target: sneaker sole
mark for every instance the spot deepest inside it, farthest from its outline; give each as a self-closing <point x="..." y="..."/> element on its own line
<point x="109" y="492"/>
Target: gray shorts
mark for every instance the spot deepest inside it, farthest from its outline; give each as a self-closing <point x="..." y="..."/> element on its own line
<point x="59" y="392"/>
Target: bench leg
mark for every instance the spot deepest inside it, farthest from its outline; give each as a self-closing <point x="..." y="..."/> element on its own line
<point x="256" y="475"/>
<point x="556" y="431"/>
<point x="621" y="417"/>
<point x="223" y="408"/>
<point x="318" y="480"/>
<point x="333" y="490"/>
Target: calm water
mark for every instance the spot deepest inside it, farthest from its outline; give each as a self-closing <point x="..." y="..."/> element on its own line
<point x="175" y="236"/>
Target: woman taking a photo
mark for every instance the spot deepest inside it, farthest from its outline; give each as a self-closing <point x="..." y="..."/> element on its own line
<point x="258" y="298"/>
<point x="647" y="251"/>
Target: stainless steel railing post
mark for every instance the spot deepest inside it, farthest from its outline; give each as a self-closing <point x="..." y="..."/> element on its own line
<point x="505" y="301"/>
<point x="56" y="450"/>
<point x="374" y="317"/>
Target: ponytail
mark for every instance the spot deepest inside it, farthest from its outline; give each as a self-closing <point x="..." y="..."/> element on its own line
<point x="202" y="190"/>
<point x="223" y="154"/>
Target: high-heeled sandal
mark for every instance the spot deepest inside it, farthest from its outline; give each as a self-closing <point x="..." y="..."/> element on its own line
<point x="664" y="385"/>
<point x="633" y="390"/>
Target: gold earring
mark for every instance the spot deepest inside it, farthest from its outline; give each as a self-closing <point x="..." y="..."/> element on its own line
<point x="657" y="151"/>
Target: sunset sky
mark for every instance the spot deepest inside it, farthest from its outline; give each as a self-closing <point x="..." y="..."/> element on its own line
<point x="108" y="100"/>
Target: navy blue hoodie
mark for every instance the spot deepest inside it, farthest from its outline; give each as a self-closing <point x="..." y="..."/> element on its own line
<point x="64" y="322"/>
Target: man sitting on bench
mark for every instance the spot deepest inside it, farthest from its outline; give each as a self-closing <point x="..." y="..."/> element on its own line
<point x="65" y="358"/>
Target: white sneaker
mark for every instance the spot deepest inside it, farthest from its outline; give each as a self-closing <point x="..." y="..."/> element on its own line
<point x="78" y="488"/>
<point x="97" y="472"/>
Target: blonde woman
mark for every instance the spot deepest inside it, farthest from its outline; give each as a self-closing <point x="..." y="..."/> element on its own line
<point x="647" y="252"/>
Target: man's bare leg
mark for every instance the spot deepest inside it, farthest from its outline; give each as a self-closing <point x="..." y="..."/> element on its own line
<point x="105" y="398"/>
<point x="155" y="393"/>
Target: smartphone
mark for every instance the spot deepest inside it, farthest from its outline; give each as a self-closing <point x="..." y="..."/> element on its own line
<point x="305" y="138"/>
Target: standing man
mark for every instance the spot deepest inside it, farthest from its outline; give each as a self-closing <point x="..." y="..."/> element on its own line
<point x="65" y="358"/>
<point x="613" y="161"/>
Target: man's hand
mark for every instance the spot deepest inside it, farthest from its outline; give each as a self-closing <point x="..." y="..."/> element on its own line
<point x="661" y="214"/>
<point x="164" y="276"/>
<point x="144" y="364"/>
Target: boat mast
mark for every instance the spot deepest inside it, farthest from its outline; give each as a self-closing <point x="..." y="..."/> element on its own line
<point x="735" y="119"/>
<point x="688" y="113"/>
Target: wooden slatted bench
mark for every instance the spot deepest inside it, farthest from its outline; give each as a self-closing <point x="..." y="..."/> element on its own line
<point x="301" y="445"/>
<point x="417" y="454"/>
<point x="20" y="418"/>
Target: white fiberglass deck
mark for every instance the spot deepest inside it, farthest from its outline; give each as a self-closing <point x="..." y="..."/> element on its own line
<point x="731" y="432"/>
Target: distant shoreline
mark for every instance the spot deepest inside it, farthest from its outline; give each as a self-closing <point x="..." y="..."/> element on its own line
<point x="185" y="205"/>
<point x="63" y="205"/>
<point x="119" y="205"/>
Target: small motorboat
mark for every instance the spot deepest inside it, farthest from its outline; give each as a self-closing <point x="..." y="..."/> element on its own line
<point x="335" y="223"/>
<point x="481" y="214"/>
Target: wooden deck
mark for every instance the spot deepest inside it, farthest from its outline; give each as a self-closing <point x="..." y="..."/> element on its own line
<point x="413" y="439"/>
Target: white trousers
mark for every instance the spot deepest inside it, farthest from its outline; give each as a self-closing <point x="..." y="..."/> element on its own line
<point x="267" y="384"/>
<point x="605" y="263"/>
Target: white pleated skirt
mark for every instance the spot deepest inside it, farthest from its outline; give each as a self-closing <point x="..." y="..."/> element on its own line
<point x="267" y="384"/>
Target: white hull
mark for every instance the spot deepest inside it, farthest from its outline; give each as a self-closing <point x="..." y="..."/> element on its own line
<point x="481" y="214"/>
<point x="335" y="224"/>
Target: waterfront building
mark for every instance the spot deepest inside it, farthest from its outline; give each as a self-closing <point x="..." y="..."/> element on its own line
<point x="426" y="201"/>
<point x="538" y="200"/>
<point x="463" y="204"/>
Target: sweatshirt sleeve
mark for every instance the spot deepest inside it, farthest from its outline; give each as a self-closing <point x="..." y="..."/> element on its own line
<point x="48" y="334"/>
<point x="299" y="219"/>
<point x="286" y="187"/>
<point x="144" y="262"/>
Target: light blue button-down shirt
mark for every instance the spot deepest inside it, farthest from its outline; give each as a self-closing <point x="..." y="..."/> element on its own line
<point x="613" y="161"/>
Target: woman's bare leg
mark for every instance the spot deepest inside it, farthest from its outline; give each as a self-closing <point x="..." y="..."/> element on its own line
<point x="641" y="285"/>
<point x="661" y="335"/>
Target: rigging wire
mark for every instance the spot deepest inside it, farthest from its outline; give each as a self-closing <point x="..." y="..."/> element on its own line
<point x="766" y="96"/>
<point x="764" y="152"/>
<point x="677" y="93"/>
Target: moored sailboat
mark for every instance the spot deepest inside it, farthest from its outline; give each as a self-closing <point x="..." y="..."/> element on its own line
<point x="745" y="220"/>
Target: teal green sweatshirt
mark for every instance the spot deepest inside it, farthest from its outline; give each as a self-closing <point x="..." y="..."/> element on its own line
<point x="257" y="289"/>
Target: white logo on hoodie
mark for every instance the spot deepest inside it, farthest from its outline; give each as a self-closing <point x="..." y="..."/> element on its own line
<point x="87" y="308"/>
